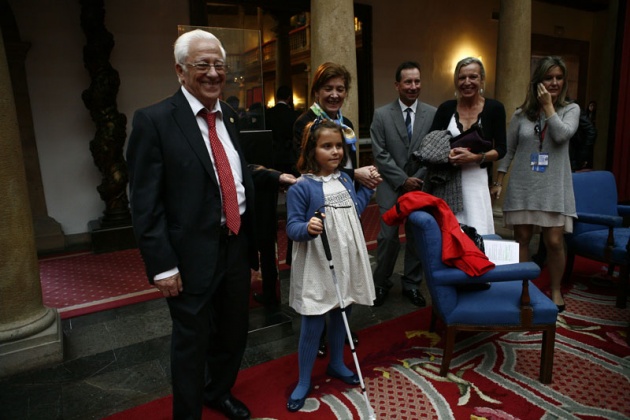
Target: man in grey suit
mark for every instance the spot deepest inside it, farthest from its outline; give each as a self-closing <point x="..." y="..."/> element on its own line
<point x="397" y="130"/>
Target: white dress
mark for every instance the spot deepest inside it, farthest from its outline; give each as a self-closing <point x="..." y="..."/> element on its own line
<point x="475" y="194"/>
<point x="312" y="291"/>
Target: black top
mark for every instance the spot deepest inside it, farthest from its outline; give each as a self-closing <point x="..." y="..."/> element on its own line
<point x="492" y="119"/>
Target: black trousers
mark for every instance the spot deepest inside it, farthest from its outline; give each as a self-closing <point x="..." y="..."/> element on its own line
<point x="210" y="333"/>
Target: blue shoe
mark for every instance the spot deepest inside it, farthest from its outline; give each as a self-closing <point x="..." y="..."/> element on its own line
<point x="297" y="404"/>
<point x="350" y="379"/>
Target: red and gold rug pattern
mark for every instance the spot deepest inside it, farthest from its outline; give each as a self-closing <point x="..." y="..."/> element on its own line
<point x="492" y="375"/>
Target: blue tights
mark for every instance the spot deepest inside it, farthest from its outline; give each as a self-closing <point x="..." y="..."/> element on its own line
<point x="310" y="332"/>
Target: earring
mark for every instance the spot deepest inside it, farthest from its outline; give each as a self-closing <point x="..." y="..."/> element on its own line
<point x="481" y="91"/>
<point x="456" y="94"/>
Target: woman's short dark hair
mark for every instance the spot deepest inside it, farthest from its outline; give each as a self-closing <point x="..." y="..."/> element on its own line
<point x="328" y="71"/>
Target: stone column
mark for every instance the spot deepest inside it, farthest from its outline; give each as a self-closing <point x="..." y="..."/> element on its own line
<point x="333" y="39"/>
<point x="30" y="334"/>
<point x="513" y="62"/>
<point x="48" y="233"/>
<point x="514" y="53"/>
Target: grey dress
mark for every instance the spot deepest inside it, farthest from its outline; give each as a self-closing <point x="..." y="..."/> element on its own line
<point x="540" y="198"/>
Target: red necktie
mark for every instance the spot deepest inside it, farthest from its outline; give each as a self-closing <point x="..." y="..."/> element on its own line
<point x="226" y="180"/>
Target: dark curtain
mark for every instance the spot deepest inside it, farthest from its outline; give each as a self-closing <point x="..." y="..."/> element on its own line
<point x="621" y="154"/>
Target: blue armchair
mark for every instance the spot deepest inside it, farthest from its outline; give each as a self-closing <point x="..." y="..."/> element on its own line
<point x="511" y="303"/>
<point x="598" y="233"/>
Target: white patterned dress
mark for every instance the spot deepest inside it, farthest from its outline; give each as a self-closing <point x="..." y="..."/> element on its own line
<point x="475" y="194"/>
<point x="312" y="291"/>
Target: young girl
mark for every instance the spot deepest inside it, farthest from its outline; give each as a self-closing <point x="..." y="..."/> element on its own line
<point x="323" y="188"/>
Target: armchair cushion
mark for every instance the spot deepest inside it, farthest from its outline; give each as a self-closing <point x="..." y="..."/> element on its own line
<point x="592" y="244"/>
<point x="600" y="219"/>
<point x="500" y="305"/>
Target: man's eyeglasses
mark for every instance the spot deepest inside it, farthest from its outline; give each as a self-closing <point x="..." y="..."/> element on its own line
<point x="203" y="67"/>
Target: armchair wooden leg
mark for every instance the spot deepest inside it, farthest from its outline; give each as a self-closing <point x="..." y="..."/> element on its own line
<point x="433" y="320"/>
<point x="546" y="357"/>
<point x="449" y="345"/>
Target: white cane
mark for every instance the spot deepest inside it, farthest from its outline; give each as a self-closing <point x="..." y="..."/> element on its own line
<point x="342" y="307"/>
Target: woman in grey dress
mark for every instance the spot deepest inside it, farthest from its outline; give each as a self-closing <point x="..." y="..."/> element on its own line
<point x="540" y="194"/>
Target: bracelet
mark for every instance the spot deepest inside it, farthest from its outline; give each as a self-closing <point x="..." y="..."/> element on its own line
<point x="496" y="184"/>
<point x="483" y="158"/>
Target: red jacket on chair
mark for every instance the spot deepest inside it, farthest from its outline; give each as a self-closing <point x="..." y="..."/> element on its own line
<point x="458" y="250"/>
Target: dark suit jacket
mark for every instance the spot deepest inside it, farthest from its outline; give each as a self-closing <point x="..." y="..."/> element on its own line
<point x="175" y="196"/>
<point x="280" y="120"/>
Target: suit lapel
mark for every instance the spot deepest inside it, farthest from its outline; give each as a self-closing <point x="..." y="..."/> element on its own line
<point x="183" y="116"/>
<point x="399" y="123"/>
<point x="419" y="122"/>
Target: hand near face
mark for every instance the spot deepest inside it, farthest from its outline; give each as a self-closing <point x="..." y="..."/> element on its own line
<point x="544" y="97"/>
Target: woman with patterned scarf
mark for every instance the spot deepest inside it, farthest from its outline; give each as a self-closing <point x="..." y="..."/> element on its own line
<point x="329" y="89"/>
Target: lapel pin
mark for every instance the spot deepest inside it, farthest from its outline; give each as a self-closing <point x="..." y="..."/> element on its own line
<point x="232" y="120"/>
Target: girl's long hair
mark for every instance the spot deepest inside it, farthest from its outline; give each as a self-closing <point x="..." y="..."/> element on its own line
<point x="306" y="162"/>
<point x="531" y="106"/>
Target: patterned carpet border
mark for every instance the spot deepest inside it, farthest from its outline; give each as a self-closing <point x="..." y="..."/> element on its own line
<point x="492" y="375"/>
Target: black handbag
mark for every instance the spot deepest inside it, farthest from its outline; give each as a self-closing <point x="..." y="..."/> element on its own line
<point x="472" y="140"/>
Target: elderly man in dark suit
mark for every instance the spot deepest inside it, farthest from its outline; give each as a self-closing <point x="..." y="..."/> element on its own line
<point x="396" y="132"/>
<point x="191" y="201"/>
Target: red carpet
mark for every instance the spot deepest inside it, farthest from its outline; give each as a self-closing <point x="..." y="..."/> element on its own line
<point x="492" y="376"/>
<point x="86" y="283"/>
<point x="79" y="284"/>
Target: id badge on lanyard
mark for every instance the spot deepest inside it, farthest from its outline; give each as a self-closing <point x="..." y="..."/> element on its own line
<point x="539" y="161"/>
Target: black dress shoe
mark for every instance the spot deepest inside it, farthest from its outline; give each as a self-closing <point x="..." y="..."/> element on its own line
<point x="266" y="300"/>
<point x="350" y="379"/>
<point x="561" y="308"/>
<point x="232" y="408"/>
<point x="381" y="295"/>
<point x="415" y="297"/>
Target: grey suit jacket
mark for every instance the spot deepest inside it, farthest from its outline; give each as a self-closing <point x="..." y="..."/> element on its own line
<point x="392" y="149"/>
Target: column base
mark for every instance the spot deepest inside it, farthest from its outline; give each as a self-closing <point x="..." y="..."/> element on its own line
<point x="40" y="350"/>
<point x="109" y="239"/>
